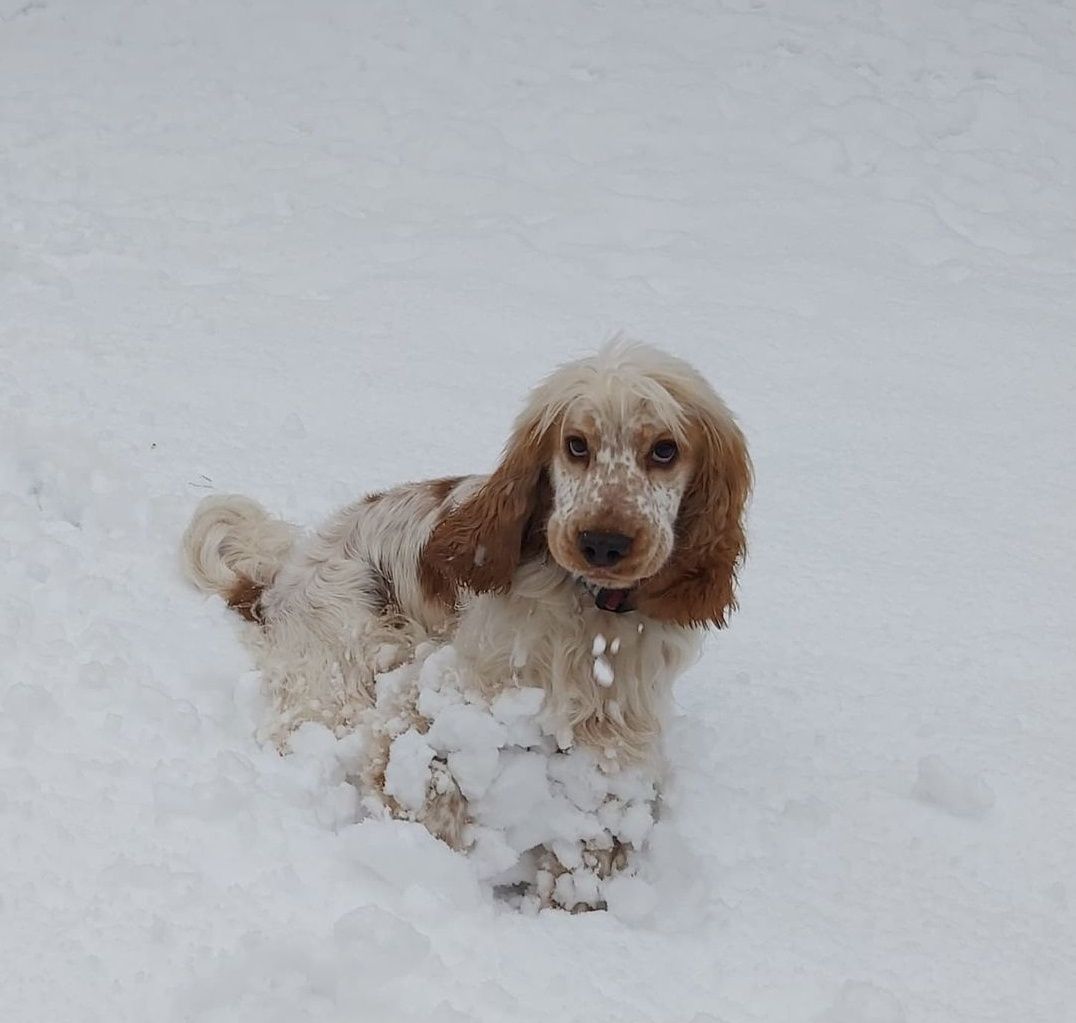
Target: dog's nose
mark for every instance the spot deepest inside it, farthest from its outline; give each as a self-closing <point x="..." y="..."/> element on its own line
<point x="603" y="549"/>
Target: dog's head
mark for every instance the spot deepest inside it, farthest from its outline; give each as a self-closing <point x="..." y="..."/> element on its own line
<point x="631" y="472"/>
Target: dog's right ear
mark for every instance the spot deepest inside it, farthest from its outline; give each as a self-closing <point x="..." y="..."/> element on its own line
<point x="478" y="544"/>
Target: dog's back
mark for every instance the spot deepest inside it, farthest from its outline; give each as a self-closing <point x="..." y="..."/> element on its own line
<point x="333" y="607"/>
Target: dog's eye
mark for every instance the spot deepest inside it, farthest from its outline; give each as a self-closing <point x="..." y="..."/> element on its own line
<point x="577" y="447"/>
<point x="664" y="452"/>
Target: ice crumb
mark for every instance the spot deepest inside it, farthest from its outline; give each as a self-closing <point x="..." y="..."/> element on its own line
<point x="407" y="774"/>
<point x="569" y="854"/>
<point x="491" y="854"/>
<point x="312" y="739"/>
<point x="519" y="789"/>
<point x="473" y="770"/>
<point x="586" y="885"/>
<point x="603" y="672"/>
<point x="525" y="701"/>
<point x="464" y="726"/>
<point x="635" y="824"/>
<point x="432" y="702"/>
<point x="614" y="647"/>
<point x="564" y="889"/>
<point x="597" y="648"/>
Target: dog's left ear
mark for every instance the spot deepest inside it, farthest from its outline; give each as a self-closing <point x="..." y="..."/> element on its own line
<point x="478" y="545"/>
<point x="697" y="586"/>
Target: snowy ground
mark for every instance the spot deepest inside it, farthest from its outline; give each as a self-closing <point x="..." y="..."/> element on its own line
<point x="302" y="251"/>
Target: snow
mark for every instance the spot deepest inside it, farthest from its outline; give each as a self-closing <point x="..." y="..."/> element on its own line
<point x="548" y="822"/>
<point x="864" y="1003"/>
<point x="603" y="672"/>
<point x="629" y="898"/>
<point x="302" y="252"/>
<point x="408" y="771"/>
<point x="960" y="794"/>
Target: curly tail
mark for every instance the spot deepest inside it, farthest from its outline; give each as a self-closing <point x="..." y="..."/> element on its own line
<point x="233" y="547"/>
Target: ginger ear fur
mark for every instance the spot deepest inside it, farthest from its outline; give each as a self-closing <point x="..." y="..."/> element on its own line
<point x="478" y="545"/>
<point x="697" y="586"/>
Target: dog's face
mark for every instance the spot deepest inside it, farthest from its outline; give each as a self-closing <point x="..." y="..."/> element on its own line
<point x="617" y="485"/>
<point x="633" y="473"/>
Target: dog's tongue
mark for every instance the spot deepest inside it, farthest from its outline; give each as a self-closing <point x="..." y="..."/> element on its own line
<point x="616" y="601"/>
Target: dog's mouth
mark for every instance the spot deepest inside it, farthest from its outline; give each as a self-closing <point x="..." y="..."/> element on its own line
<point x="609" y="598"/>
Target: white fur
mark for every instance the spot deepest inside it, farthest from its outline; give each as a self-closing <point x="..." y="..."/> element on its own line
<point x="542" y="633"/>
<point x="325" y="637"/>
<point x="232" y="537"/>
<point x="325" y="632"/>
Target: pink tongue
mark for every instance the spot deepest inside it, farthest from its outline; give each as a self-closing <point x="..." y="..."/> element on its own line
<point x="611" y="600"/>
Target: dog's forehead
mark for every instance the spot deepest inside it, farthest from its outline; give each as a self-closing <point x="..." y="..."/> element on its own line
<point x="629" y="424"/>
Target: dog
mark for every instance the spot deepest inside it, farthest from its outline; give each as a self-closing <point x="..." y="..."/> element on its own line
<point x="587" y="565"/>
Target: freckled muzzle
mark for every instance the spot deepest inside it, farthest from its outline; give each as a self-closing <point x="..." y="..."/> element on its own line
<point x="617" y="557"/>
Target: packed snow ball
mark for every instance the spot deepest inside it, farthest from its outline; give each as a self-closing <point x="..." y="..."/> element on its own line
<point x="547" y="826"/>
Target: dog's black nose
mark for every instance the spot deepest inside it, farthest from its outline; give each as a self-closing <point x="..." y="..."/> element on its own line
<point x="603" y="549"/>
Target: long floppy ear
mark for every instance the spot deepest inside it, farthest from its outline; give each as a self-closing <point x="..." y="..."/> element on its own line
<point x="697" y="586"/>
<point x="478" y="545"/>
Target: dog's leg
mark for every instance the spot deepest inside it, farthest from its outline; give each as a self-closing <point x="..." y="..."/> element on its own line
<point x="445" y="813"/>
<point x="311" y="677"/>
<point x="577" y="888"/>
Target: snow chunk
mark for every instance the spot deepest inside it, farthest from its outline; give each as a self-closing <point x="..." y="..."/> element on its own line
<point x="491" y="854"/>
<point x="432" y="702"/>
<point x="521" y="786"/>
<point x="582" y="780"/>
<point x="408" y="772"/>
<point x="473" y="770"/>
<point x="635" y="824"/>
<point x="517" y="703"/>
<point x="603" y="672"/>
<point x="465" y="727"/>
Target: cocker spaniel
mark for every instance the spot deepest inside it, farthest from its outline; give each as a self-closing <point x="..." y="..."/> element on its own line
<point x="586" y="566"/>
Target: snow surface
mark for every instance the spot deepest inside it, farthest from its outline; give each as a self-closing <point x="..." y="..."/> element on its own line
<point x="302" y="251"/>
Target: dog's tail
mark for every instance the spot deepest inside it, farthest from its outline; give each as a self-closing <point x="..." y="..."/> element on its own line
<point x="233" y="547"/>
